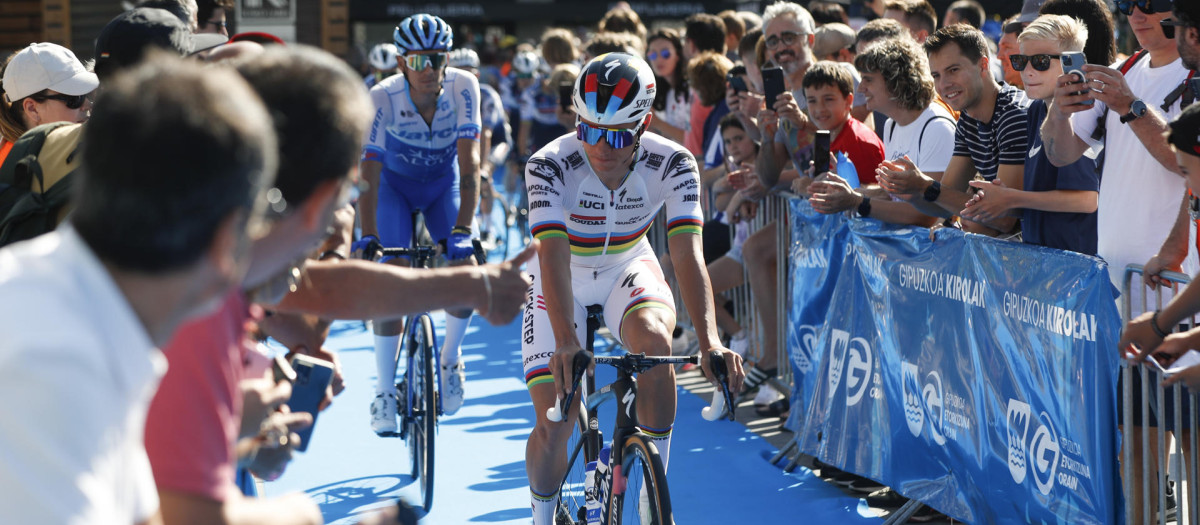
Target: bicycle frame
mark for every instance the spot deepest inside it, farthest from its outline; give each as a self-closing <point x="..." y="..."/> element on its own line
<point x="419" y="257"/>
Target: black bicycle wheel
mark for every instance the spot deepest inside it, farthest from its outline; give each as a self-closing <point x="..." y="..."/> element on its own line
<point x="422" y="427"/>
<point x="571" y="503"/>
<point x="644" y="499"/>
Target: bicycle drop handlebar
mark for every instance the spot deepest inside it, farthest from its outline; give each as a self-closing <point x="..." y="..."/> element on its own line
<point x="637" y="363"/>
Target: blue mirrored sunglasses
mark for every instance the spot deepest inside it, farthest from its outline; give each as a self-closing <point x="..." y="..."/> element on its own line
<point x="617" y="138"/>
<point x="655" y="55"/>
<point x="420" y="62"/>
<point x="1147" y="6"/>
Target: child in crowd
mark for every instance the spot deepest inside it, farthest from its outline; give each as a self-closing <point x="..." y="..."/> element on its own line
<point x="1057" y="205"/>
<point x="829" y="90"/>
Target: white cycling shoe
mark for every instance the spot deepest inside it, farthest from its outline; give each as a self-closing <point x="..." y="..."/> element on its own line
<point x="383" y="414"/>
<point x="453" y="378"/>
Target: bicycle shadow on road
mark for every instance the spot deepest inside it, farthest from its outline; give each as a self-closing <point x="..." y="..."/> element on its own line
<point x="353" y="497"/>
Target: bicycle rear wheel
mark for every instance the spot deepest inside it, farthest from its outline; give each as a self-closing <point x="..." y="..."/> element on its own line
<point x="422" y="426"/>
<point x="571" y="503"/>
<point x="498" y="228"/>
<point x="644" y="498"/>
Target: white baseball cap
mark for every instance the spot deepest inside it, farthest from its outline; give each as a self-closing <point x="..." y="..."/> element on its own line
<point x="46" y="66"/>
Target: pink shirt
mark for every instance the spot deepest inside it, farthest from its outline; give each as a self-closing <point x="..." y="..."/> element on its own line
<point x="195" y="417"/>
<point x="693" y="139"/>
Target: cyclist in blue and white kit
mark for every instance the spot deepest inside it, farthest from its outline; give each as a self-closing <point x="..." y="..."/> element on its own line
<point x="592" y="197"/>
<point x="495" y="136"/>
<point x="422" y="153"/>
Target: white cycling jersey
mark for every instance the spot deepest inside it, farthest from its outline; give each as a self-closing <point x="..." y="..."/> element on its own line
<point x="409" y="148"/>
<point x="612" y="264"/>
<point x="607" y="227"/>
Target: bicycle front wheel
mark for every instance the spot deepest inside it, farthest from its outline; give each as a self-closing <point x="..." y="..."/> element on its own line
<point x="422" y="426"/>
<point x="642" y="498"/>
<point x="572" y="506"/>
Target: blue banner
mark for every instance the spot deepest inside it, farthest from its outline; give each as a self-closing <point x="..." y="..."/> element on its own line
<point x="818" y="243"/>
<point x="975" y="375"/>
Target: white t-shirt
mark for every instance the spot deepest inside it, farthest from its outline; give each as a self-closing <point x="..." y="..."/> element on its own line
<point x="79" y="373"/>
<point x="1139" y="198"/>
<point x="931" y="152"/>
<point x="678" y="110"/>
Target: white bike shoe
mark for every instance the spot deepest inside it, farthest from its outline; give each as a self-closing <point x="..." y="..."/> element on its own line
<point x="383" y="414"/>
<point x="453" y="378"/>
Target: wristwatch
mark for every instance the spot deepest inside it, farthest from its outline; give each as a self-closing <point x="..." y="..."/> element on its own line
<point x="933" y="191"/>
<point x="1136" y="110"/>
<point x="864" y="207"/>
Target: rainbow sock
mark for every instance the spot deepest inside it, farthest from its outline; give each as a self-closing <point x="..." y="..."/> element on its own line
<point x="662" y="441"/>
<point x="543" y="507"/>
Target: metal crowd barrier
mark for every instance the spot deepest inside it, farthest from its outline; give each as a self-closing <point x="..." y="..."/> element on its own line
<point x="1186" y="485"/>
<point x="773" y="209"/>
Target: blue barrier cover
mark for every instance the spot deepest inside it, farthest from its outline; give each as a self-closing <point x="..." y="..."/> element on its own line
<point x="975" y="375"/>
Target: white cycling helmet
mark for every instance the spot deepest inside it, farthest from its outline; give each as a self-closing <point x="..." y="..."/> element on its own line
<point x="526" y="62"/>
<point x="383" y="57"/>
<point x="614" y="89"/>
<point x="423" y="32"/>
<point x="464" y="57"/>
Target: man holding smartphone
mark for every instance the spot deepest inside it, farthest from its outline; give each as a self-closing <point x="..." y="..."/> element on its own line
<point x="789" y="35"/>
<point x="1140" y="182"/>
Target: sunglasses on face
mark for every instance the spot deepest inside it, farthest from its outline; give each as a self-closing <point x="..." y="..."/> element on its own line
<point x="787" y="37"/>
<point x="617" y="138"/>
<point x="655" y="55"/>
<point x="1039" y="62"/>
<point x="420" y="62"/>
<point x="1169" y="25"/>
<point x="1148" y="7"/>
<point x="71" y="101"/>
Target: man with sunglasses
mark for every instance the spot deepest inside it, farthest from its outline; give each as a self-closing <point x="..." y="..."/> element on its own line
<point x="1139" y="172"/>
<point x="422" y="154"/>
<point x="593" y="196"/>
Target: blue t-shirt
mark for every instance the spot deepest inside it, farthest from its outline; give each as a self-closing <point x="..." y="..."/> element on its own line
<point x="1066" y="231"/>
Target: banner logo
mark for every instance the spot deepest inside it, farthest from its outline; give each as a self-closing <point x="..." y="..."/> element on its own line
<point x="935" y="406"/>
<point x="802" y="357"/>
<point x="1018" y="428"/>
<point x="913" y="414"/>
<point x="1045" y="455"/>
<point x="839" y="341"/>
<point x="860" y="364"/>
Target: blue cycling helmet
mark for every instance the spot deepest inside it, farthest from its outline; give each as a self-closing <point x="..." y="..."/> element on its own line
<point x="423" y="33"/>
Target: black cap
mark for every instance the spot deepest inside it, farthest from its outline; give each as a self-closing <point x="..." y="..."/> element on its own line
<point x="125" y="39"/>
<point x="1187" y="12"/>
<point x="1185" y="131"/>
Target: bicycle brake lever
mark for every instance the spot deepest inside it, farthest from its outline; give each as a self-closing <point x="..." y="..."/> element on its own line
<point x="579" y="365"/>
<point x="722" y="403"/>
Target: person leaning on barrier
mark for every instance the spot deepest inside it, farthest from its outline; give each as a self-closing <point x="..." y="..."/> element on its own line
<point x="897" y="84"/>
<point x="991" y="138"/>
<point x="1147" y="331"/>
<point x="176" y="163"/>
<point x="1057" y="205"/>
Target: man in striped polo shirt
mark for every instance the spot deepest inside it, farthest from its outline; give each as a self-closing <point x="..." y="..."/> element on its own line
<point x="992" y="136"/>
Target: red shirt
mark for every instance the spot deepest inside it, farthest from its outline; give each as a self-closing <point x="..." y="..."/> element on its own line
<point x="195" y="418"/>
<point x="862" y="146"/>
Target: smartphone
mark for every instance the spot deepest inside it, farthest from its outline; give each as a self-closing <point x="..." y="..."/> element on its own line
<point x="308" y="390"/>
<point x="821" y="152"/>
<point x="1072" y="64"/>
<point x="737" y="83"/>
<point x="564" y="96"/>
<point x="772" y="85"/>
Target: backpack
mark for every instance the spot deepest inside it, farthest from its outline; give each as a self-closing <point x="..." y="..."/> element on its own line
<point x="1184" y="91"/>
<point x="36" y="180"/>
